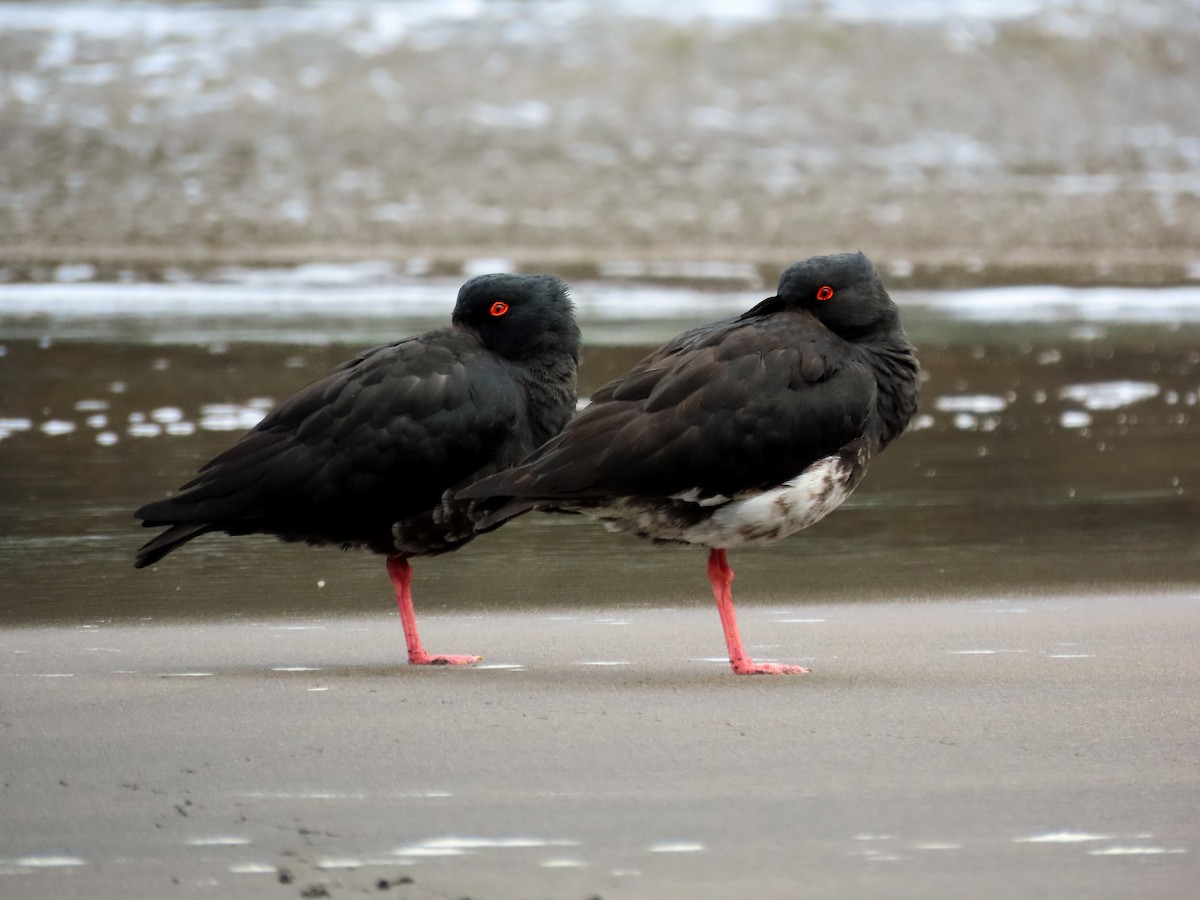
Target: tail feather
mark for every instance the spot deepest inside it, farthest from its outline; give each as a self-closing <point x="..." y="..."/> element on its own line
<point x="175" y="536"/>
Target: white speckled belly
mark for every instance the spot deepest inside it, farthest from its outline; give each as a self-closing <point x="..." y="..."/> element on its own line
<point x="770" y="515"/>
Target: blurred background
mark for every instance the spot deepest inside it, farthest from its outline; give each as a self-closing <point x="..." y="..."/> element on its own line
<point x="205" y="205"/>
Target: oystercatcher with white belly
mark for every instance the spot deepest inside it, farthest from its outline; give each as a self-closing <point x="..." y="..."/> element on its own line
<point x="748" y="429"/>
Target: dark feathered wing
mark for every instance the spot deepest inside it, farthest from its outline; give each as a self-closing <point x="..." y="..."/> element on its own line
<point x="730" y="407"/>
<point x="373" y="442"/>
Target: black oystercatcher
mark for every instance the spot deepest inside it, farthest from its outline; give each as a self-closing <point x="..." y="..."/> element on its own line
<point x="747" y="429"/>
<point x="369" y="455"/>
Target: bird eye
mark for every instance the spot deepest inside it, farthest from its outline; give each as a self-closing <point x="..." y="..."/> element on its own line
<point x="825" y="292"/>
<point x="499" y="308"/>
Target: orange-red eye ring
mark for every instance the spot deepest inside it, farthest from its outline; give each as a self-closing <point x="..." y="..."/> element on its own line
<point x="499" y="308"/>
<point x="824" y="292"/>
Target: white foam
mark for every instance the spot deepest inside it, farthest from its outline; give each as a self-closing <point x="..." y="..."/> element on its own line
<point x="1106" y="395"/>
<point x="490" y="843"/>
<point x="971" y="403"/>
<point x="252" y="869"/>
<point x="370" y="27"/>
<point x="49" y="862"/>
<point x="1074" y="418"/>
<point x="144" y="429"/>
<point x="165" y="415"/>
<point x="1062" y="837"/>
<point x="675" y="847"/>
<point x="1048" y="303"/>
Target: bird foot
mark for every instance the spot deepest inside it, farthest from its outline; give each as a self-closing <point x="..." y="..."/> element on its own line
<point x="441" y="659"/>
<point x="745" y="667"/>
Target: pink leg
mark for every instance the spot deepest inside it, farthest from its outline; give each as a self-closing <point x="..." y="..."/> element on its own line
<point x="401" y="574"/>
<point x="720" y="576"/>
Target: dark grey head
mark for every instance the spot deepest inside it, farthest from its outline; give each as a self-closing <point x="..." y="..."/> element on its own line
<point x="844" y="292"/>
<point x="519" y="316"/>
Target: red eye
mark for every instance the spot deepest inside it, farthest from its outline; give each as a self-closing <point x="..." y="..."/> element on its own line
<point x="499" y="308"/>
<point x="825" y="292"/>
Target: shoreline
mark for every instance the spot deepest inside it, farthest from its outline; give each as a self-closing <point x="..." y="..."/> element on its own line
<point x="693" y="265"/>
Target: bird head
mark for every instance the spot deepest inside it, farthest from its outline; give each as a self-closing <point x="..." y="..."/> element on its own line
<point x="844" y="292"/>
<point x="518" y="316"/>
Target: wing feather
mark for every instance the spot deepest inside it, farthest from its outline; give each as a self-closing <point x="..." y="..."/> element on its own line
<point x="731" y="407"/>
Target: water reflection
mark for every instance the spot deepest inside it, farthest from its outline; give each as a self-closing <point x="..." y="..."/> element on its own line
<point x="1044" y="460"/>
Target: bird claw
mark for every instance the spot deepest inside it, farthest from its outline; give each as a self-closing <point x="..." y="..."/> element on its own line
<point x="752" y="668"/>
<point x="442" y="659"/>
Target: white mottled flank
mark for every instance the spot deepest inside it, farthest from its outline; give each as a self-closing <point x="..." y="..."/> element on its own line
<point x="692" y="495"/>
<point x="1109" y="394"/>
<point x="675" y="847"/>
<point x="773" y="514"/>
<point x="1062" y="837"/>
<point x="799" y="503"/>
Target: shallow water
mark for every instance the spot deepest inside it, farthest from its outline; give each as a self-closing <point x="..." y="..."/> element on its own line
<point x="1049" y="456"/>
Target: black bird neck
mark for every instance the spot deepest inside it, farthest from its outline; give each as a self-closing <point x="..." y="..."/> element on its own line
<point x="550" y="384"/>
<point x="893" y="359"/>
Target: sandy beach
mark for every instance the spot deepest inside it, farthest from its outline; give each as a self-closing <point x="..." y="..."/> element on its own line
<point x="991" y="748"/>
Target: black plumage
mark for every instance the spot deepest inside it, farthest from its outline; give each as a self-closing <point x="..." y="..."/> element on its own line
<point x="746" y="429"/>
<point x="370" y="454"/>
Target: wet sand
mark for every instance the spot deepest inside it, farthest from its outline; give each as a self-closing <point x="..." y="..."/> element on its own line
<point x="1017" y="748"/>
